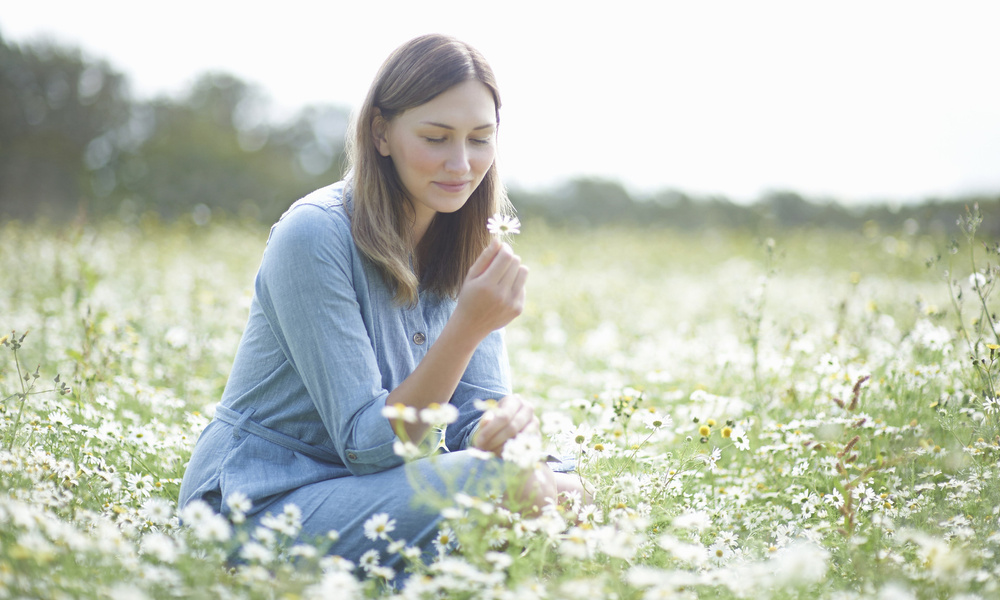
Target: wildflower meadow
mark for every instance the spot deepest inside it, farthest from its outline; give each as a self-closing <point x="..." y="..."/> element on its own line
<point x="812" y="414"/>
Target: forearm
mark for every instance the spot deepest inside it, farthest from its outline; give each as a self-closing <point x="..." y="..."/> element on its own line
<point x="436" y="376"/>
<point x="492" y="295"/>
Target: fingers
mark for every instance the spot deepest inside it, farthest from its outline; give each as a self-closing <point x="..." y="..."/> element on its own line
<point x="504" y="263"/>
<point x="520" y="279"/>
<point x="510" y="276"/>
<point x="511" y="417"/>
<point x="485" y="258"/>
<point x="487" y="437"/>
<point x="493" y="292"/>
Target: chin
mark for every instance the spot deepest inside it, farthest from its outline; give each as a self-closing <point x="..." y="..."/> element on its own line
<point x="451" y="205"/>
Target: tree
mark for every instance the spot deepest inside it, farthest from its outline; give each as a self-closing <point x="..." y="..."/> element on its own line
<point x="60" y="123"/>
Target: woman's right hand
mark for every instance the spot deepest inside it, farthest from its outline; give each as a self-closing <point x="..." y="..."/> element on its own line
<point x="493" y="292"/>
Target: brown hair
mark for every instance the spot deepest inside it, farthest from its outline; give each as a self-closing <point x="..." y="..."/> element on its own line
<point x="414" y="74"/>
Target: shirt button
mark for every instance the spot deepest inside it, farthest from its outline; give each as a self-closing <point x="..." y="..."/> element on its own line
<point x="352" y="456"/>
<point x="419" y="338"/>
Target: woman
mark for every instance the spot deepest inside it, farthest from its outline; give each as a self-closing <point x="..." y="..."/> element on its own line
<point x="385" y="289"/>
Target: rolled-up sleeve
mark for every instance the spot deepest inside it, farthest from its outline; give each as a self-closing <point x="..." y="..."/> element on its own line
<point x="486" y="378"/>
<point x="307" y="289"/>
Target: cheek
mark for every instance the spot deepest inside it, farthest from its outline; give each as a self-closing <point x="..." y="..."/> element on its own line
<point x="483" y="159"/>
<point x="418" y="158"/>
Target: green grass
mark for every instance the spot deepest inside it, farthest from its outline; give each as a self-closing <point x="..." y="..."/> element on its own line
<point x="716" y="330"/>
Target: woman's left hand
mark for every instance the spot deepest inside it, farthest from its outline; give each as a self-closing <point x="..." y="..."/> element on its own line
<point x="511" y="417"/>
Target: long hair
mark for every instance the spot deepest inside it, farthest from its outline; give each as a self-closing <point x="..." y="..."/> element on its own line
<point x="414" y="74"/>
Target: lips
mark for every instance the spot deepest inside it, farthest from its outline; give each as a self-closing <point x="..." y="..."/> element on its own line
<point x="451" y="186"/>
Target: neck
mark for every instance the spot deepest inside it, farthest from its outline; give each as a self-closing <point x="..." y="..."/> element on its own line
<point x="421" y="222"/>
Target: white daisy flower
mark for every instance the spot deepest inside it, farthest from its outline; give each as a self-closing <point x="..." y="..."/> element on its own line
<point x="213" y="529"/>
<point x="399" y="411"/>
<point x="500" y="224"/>
<point x="140" y="484"/>
<point x="254" y="552"/>
<point x="379" y="526"/>
<point x="406" y="450"/>
<point x="303" y="550"/>
<point x="158" y="510"/>
<point x="524" y="450"/>
<point x="381" y="572"/>
<point x="196" y="512"/>
<point x="444" y="541"/>
<point x="439" y="414"/>
<point x="335" y="584"/>
<point x="499" y="560"/>
<point x="369" y="560"/>
<point x="160" y="546"/>
<point x="239" y="502"/>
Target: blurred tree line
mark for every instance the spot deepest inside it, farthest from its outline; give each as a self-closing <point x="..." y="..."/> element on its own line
<point x="595" y="201"/>
<point x="75" y="145"/>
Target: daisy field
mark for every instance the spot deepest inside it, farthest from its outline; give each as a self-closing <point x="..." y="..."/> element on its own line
<point x="811" y="413"/>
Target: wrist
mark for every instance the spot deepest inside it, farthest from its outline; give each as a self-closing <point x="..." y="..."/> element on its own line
<point x="462" y="335"/>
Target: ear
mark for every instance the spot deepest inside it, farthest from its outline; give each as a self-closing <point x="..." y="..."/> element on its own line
<point x="380" y="133"/>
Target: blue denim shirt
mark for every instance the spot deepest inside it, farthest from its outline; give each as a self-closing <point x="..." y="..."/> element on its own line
<point x="323" y="347"/>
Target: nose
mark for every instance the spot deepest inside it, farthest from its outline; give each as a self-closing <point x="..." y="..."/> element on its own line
<point x="458" y="160"/>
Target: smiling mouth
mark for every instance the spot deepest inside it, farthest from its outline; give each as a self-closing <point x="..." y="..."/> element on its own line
<point x="451" y="186"/>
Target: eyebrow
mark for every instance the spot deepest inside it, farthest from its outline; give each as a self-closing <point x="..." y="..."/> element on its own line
<point x="443" y="126"/>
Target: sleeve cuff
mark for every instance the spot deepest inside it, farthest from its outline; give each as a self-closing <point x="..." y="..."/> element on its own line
<point x="372" y="458"/>
<point x="470" y="431"/>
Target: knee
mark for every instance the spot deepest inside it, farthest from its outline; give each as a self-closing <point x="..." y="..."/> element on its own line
<point x="537" y="489"/>
<point x="461" y="472"/>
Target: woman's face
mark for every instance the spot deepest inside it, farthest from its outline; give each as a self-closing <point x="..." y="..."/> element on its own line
<point x="442" y="149"/>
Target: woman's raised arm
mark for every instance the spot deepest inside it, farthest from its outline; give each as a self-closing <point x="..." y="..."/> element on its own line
<point x="492" y="296"/>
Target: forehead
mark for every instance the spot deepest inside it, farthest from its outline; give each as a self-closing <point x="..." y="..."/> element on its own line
<point x="468" y="104"/>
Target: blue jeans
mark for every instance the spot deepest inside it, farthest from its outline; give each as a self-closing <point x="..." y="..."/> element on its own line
<point x="412" y="494"/>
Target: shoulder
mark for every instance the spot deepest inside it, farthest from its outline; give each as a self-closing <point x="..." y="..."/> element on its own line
<point x="333" y="200"/>
<point x="320" y="218"/>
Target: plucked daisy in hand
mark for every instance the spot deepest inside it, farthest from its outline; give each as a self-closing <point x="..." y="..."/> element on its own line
<point x="500" y="224"/>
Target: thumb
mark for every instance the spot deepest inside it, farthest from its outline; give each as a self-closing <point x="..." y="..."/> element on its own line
<point x="477" y="434"/>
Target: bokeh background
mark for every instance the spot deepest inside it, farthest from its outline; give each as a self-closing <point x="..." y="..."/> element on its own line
<point x="753" y="317"/>
<point x="712" y="114"/>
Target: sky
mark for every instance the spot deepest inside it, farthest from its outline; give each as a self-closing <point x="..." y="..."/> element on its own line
<point x="854" y="101"/>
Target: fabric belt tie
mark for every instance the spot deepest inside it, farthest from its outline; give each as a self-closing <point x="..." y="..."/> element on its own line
<point x="242" y="422"/>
